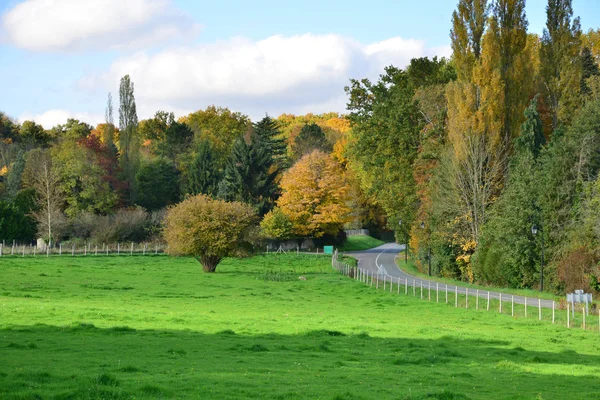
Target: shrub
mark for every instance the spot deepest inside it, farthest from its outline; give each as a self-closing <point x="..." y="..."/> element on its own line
<point x="210" y="230"/>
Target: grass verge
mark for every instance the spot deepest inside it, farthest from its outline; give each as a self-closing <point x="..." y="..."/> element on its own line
<point x="360" y="242"/>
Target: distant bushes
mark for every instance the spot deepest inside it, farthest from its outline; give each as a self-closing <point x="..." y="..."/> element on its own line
<point x="126" y="225"/>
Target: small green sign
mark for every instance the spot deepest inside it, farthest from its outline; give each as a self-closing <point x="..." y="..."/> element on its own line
<point x="328" y="249"/>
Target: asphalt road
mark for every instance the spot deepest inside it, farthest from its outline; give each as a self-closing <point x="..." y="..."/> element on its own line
<point x="381" y="261"/>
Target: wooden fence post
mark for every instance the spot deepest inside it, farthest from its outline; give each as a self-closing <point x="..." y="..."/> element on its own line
<point x="552" y="312"/>
<point x="488" y="301"/>
<point x="540" y="308"/>
<point x="477" y="301"/>
<point x="568" y="316"/>
<point x="525" y="307"/>
<point x="437" y="292"/>
<point x="467" y="298"/>
<point x="429" y="292"/>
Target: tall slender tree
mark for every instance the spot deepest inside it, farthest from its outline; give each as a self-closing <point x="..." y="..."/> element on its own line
<point x="561" y="64"/>
<point x="129" y="145"/>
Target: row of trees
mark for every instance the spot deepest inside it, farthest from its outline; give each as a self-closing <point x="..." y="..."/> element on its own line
<point x="471" y="153"/>
<point x="68" y="181"/>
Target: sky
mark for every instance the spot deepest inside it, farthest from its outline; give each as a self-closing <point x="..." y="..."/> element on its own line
<point x="59" y="59"/>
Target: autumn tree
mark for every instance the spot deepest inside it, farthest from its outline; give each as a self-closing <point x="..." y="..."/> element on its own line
<point x="220" y="126"/>
<point x="33" y="135"/>
<point x="315" y="196"/>
<point x="210" y="230"/>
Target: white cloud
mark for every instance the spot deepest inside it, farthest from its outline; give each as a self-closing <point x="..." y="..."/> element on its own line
<point x="52" y="118"/>
<point x="75" y="25"/>
<point x="277" y="74"/>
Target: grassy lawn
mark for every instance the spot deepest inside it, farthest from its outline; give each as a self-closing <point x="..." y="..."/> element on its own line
<point x="412" y="269"/>
<point x="360" y="242"/>
<point x="157" y="327"/>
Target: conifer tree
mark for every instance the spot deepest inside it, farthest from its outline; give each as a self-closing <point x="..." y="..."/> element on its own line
<point x="203" y="173"/>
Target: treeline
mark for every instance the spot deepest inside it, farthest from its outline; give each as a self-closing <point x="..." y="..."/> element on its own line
<point x="113" y="182"/>
<point x="490" y="161"/>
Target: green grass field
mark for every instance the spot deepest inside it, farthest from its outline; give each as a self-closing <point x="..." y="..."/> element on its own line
<point x="157" y="327"/>
<point x="360" y="242"/>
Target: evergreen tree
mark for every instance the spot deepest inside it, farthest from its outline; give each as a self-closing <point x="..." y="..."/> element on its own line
<point x="508" y="252"/>
<point x="310" y="138"/>
<point x="202" y="173"/>
<point x="266" y="133"/>
<point x="249" y="177"/>
<point x="158" y="184"/>
<point x="589" y="68"/>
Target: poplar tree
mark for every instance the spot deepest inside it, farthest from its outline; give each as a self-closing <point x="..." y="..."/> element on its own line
<point x="128" y="141"/>
<point x="561" y="64"/>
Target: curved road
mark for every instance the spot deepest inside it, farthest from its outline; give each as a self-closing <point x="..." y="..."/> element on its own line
<point x="381" y="261"/>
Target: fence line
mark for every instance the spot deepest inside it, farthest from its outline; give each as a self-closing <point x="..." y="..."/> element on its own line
<point x="357" y="232"/>
<point x="368" y="278"/>
<point x="88" y="249"/>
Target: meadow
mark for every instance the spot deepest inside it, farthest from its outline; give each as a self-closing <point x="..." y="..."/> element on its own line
<point x="158" y="327"/>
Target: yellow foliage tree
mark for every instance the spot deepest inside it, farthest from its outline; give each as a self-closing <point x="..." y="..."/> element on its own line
<point x="209" y="230"/>
<point x="315" y="196"/>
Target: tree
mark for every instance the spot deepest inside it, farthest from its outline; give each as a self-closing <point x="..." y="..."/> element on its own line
<point x="267" y="135"/>
<point x="277" y="225"/>
<point x="108" y="130"/>
<point x="201" y="175"/>
<point x="315" y="196"/>
<point x="14" y="223"/>
<point x="42" y="176"/>
<point x="508" y="253"/>
<point x="386" y="126"/>
<point x="561" y="65"/>
<point x="589" y="69"/>
<point x="158" y="184"/>
<point x="128" y="139"/>
<point x="249" y="176"/>
<point x="33" y="135"/>
<point x="209" y="230"/>
<point x="220" y="126"/>
<point x="468" y="25"/>
<point x="310" y="138"/>
<point x="83" y="180"/>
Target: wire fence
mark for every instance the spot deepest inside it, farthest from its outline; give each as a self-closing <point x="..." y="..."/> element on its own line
<point x="561" y="313"/>
<point x="87" y="249"/>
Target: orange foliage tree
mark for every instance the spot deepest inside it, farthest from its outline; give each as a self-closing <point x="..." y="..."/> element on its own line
<point x="315" y="196"/>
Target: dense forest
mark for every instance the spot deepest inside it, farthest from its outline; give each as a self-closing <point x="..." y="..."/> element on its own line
<point x="486" y="162"/>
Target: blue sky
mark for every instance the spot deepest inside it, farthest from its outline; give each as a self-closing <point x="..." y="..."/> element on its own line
<point x="60" y="58"/>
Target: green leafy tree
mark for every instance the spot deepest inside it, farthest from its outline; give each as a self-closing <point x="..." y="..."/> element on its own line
<point x="33" y="135"/>
<point x="158" y="184"/>
<point x="129" y="145"/>
<point x="560" y="61"/>
<point x="210" y="230"/>
<point x="589" y="69"/>
<point x="386" y="126"/>
<point x="277" y="225"/>
<point x="14" y="223"/>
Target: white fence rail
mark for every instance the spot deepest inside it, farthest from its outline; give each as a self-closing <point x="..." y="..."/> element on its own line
<point x="119" y="249"/>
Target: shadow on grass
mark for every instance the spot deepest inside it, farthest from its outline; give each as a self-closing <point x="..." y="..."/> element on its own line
<point x="86" y="362"/>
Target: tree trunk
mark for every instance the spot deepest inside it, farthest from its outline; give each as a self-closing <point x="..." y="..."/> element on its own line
<point x="209" y="263"/>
